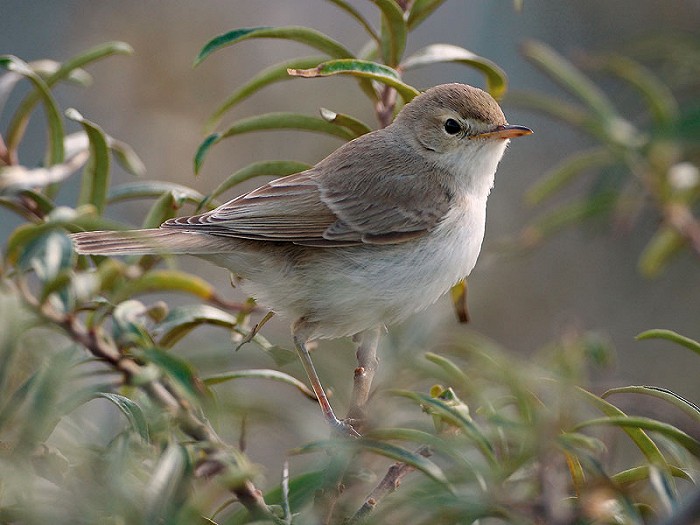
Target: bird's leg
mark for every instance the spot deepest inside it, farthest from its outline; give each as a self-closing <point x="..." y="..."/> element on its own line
<point x="367" y="362"/>
<point x="328" y="414"/>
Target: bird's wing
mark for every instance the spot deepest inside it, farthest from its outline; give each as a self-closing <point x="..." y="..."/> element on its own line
<point x="336" y="203"/>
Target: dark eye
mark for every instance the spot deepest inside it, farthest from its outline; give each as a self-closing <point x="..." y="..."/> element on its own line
<point x="452" y="126"/>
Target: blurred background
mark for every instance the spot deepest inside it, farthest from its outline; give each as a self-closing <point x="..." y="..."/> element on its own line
<point x="582" y="279"/>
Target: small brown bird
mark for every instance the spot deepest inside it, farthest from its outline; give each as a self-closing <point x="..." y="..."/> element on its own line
<point x="378" y="230"/>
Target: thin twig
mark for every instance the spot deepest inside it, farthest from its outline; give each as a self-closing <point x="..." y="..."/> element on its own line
<point x="386" y="486"/>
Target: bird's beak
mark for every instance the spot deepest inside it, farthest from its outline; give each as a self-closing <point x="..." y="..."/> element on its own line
<point x="505" y="132"/>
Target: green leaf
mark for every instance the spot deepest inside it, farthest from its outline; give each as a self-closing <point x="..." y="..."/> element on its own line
<point x="457" y="417"/>
<point x="636" y="434"/>
<point x="383" y="449"/>
<point x="452" y="372"/>
<point x="570" y="78"/>
<point x="394" y="31"/>
<point x="663" y="245"/>
<point x="363" y="69"/>
<point x="659" y="98"/>
<point x="345" y="6"/>
<point x="271" y="121"/>
<point x="676" y="400"/>
<point x="303" y="35"/>
<point x="558" y="177"/>
<point x="276" y="73"/>
<point x="126" y="157"/>
<point x="496" y="79"/>
<point x="47" y="255"/>
<point x="165" y="281"/>
<point x="15" y="131"/>
<point x="169" y="478"/>
<point x="151" y="189"/>
<point x="183" y="319"/>
<point x="358" y="127"/>
<point x="271" y="168"/>
<point x="420" y="10"/>
<point x="21" y="117"/>
<point x="96" y="178"/>
<point x="17" y="179"/>
<point x="645" y="423"/>
<point x="273" y="375"/>
<point x="46" y="68"/>
<point x="131" y="411"/>
<point x="669" y="335"/>
<point x="641" y="473"/>
<point x="178" y="369"/>
<point x="164" y="208"/>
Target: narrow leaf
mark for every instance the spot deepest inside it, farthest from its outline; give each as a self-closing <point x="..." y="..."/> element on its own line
<point x="566" y="171"/>
<point x="16" y="179"/>
<point x="126" y="157"/>
<point x="496" y="79"/>
<point x="131" y="411"/>
<point x="670" y="335"/>
<point x="183" y="319"/>
<point x="55" y="152"/>
<point x="164" y="208"/>
<point x="636" y="434"/>
<point x="362" y="69"/>
<point x="394" y="31"/>
<point x="358" y="127"/>
<point x="303" y="35"/>
<point x="383" y="449"/>
<point x="151" y="189"/>
<point x="274" y="375"/>
<point x="276" y="73"/>
<point x="676" y="400"/>
<point x="641" y="473"/>
<point x="178" y="369"/>
<point x="659" y="250"/>
<point x="570" y="78"/>
<point x="96" y="179"/>
<point x="659" y="98"/>
<point x="21" y="116"/>
<point x="268" y="122"/>
<point x="454" y="373"/>
<point x="165" y="281"/>
<point x="271" y="168"/>
<point x="420" y="10"/>
<point x="345" y="6"/>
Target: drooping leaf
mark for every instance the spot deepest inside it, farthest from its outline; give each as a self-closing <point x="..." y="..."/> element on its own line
<point x="54" y="152"/>
<point x="420" y="10"/>
<point x="271" y="121"/>
<point x="358" y="127"/>
<point x="151" y="189"/>
<point x="181" y="320"/>
<point x="275" y="73"/>
<point x="47" y="68"/>
<point x="132" y="411"/>
<point x="383" y="449"/>
<point x="304" y="35"/>
<point x="268" y="168"/>
<point x="496" y="79"/>
<point x="641" y="472"/>
<point x="348" y="8"/>
<point x="126" y="157"/>
<point x="96" y="178"/>
<point x="176" y="368"/>
<point x="21" y="117"/>
<point x="164" y="208"/>
<point x="274" y="375"/>
<point x="570" y="78"/>
<point x="394" y="31"/>
<point x="16" y="179"/>
<point x="559" y="176"/>
<point x="363" y="69"/>
<point x="165" y="281"/>
<point x="659" y="250"/>
<point x="690" y="408"/>
<point x="670" y="335"/>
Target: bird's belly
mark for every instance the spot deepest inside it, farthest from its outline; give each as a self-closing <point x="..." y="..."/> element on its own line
<point x="343" y="291"/>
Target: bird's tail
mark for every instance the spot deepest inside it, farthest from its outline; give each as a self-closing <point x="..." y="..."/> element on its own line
<point x="146" y="242"/>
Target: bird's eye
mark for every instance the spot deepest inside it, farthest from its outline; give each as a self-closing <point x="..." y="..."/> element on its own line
<point x="452" y="127"/>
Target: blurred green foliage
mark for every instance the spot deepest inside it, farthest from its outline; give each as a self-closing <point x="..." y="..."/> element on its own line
<point x="520" y="442"/>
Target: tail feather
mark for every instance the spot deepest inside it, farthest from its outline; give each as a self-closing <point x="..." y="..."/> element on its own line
<point x="146" y="242"/>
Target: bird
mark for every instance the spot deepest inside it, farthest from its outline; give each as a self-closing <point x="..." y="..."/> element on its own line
<point x="377" y="231"/>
